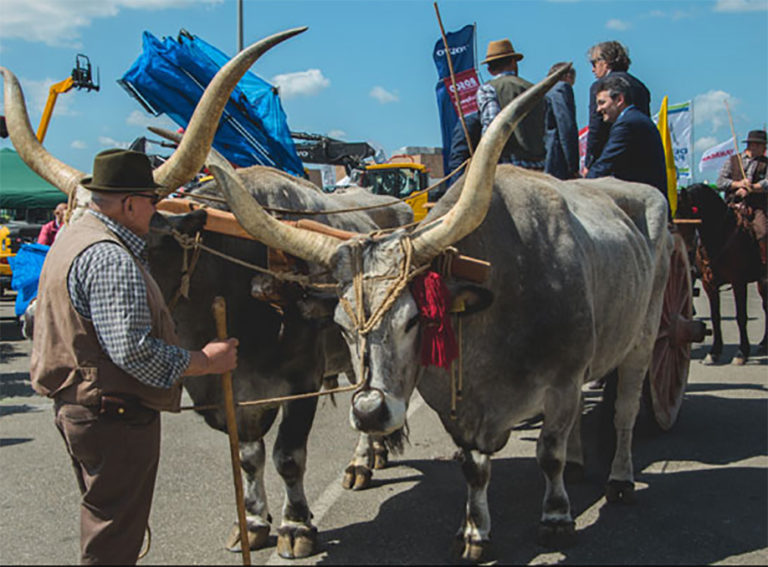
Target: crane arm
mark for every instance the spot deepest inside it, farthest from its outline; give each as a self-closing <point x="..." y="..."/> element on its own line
<point x="53" y="93"/>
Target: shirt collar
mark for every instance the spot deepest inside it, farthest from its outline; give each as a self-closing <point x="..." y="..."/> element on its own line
<point x="135" y="243"/>
<point x="623" y="111"/>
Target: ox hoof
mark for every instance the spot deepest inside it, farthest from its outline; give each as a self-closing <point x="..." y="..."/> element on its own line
<point x="557" y="535"/>
<point x="295" y="542"/>
<point x="711" y="359"/>
<point x="472" y="551"/>
<point x="258" y="536"/>
<point x="620" y="492"/>
<point x="356" y="477"/>
<point x="574" y="472"/>
<point x="380" y="459"/>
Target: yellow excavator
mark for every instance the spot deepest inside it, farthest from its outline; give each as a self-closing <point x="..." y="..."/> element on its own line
<point x="81" y="78"/>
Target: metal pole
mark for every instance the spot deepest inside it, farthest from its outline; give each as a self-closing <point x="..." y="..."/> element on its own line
<point x="239" y="25"/>
<point x="220" y="316"/>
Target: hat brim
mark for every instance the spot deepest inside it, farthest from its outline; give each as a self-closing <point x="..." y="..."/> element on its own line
<point x="515" y="56"/>
<point x="755" y="141"/>
<point x="87" y="183"/>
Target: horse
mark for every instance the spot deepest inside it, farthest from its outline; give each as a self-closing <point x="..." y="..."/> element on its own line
<point x="726" y="253"/>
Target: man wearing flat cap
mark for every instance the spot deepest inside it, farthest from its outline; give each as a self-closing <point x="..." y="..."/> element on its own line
<point x="525" y="148"/>
<point x="743" y="179"/>
<point x="105" y="350"/>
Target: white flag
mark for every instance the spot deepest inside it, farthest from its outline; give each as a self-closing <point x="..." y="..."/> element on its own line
<point x="680" y="121"/>
<point x="715" y="156"/>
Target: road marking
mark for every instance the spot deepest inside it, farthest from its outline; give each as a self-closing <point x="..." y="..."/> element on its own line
<point x="334" y="491"/>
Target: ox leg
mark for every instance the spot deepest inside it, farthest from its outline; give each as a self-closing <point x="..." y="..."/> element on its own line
<point x="574" y="463"/>
<point x="473" y="537"/>
<point x="561" y="408"/>
<point x="358" y="473"/>
<point x="716" y="350"/>
<point x="297" y="536"/>
<point x="252" y="460"/>
<point x="740" y="297"/>
<point x="621" y="482"/>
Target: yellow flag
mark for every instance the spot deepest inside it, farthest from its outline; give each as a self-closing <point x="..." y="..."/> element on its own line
<point x="669" y="158"/>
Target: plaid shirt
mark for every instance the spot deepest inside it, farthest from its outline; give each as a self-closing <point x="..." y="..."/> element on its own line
<point x="488" y="106"/>
<point x="106" y="287"/>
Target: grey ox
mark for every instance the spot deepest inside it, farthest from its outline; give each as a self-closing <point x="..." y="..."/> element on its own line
<point x="285" y="349"/>
<point x="578" y="274"/>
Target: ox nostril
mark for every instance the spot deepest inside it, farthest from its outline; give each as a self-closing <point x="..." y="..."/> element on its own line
<point x="369" y="409"/>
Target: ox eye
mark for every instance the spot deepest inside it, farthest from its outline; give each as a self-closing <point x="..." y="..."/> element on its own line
<point x="413" y="320"/>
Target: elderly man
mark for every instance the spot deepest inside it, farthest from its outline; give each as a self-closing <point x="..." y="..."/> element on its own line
<point x="105" y="351"/>
<point x="525" y="147"/>
<point x="633" y="151"/>
<point x="751" y="190"/>
<point x="610" y="58"/>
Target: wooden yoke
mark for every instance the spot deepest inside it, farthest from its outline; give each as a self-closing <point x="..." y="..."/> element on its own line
<point x="224" y="222"/>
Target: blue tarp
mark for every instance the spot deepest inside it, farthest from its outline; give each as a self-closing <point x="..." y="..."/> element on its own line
<point x="26" y="267"/>
<point x="169" y="78"/>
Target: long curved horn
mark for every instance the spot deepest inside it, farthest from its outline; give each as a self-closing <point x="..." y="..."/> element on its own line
<point x="472" y="206"/>
<point x="54" y="171"/>
<point x="190" y="156"/>
<point x="311" y="246"/>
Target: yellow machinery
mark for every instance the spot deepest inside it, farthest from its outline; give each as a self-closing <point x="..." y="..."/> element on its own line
<point x="80" y="79"/>
<point x="399" y="180"/>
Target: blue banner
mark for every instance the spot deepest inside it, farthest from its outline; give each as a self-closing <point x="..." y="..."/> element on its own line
<point x="462" y="48"/>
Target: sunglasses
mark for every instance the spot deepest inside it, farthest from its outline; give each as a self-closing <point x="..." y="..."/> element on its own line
<point x="154" y="198"/>
<point x="594" y="61"/>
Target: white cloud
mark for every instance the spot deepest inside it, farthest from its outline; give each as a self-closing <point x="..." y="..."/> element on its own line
<point x="108" y="142"/>
<point x="78" y="145"/>
<point x="36" y="95"/>
<point x="142" y="119"/>
<point x="617" y="25"/>
<point x="710" y="108"/>
<point x="300" y="83"/>
<point x="741" y="5"/>
<point x="383" y="95"/>
<point x="60" y="22"/>
<point x="704" y="143"/>
<point x="338" y="134"/>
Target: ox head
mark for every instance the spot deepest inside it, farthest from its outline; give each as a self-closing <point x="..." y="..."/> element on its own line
<point x="376" y="312"/>
<point x="185" y="162"/>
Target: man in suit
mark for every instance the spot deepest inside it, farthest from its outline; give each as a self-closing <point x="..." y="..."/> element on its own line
<point x="633" y="151"/>
<point x="610" y="58"/>
<point x="561" y="136"/>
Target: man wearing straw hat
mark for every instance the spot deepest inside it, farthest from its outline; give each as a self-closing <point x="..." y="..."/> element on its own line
<point x="105" y="351"/>
<point x="525" y="147"/>
<point x="743" y="179"/>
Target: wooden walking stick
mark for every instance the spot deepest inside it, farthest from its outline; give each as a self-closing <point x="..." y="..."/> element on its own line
<point x="220" y="316"/>
<point x="735" y="142"/>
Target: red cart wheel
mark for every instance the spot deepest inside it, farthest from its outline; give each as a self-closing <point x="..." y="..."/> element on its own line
<point x="672" y="352"/>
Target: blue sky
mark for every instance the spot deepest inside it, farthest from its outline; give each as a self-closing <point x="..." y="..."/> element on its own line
<point x="364" y="70"/>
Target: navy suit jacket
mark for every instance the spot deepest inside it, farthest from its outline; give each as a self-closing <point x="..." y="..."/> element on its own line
<point x="633" y="152"/>
<point x="598" y="130"/>
<point x="561" y="136"/>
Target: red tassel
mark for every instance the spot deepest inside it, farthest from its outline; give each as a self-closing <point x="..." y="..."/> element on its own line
<point x="438" y="343"/>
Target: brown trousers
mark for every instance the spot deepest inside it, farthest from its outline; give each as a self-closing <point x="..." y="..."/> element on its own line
<point x="115" y="461"/>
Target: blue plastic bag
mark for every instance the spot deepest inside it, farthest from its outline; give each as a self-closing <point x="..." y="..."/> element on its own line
<point x="26" y="267"/>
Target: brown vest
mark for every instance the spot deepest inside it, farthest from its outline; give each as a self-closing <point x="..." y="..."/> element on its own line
<point x="527" y="141"/>
<point x="757" y="175"/>
<point x="68" y="362"/>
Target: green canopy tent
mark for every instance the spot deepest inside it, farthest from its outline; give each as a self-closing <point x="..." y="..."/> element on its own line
<point x="22" y="188"/>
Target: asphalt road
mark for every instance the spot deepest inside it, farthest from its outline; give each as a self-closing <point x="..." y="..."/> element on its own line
<point x="702" y="487"/>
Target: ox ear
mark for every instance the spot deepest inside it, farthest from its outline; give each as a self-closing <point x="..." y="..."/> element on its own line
<point x="468" y="299"/>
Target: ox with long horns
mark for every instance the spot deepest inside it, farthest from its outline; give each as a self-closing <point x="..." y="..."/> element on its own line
<point x="283" y="351"/>
<point x="578" y="273"/>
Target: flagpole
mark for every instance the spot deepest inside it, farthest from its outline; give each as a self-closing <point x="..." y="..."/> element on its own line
<point x="453" y="82"/>
<point x="735" y="141"/>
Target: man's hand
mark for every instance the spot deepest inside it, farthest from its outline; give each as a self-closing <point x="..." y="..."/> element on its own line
<point x="216" y="357"/>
